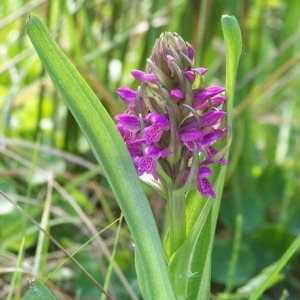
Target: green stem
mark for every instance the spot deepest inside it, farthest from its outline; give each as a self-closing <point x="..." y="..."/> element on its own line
<point x="177" y="219"/>
<point x="235" y="254"/>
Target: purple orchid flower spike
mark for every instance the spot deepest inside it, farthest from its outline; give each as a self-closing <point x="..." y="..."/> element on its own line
<point x="173" y="120"/>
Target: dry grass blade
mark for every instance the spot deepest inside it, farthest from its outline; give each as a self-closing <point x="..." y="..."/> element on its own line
<point x="56" y="243"/>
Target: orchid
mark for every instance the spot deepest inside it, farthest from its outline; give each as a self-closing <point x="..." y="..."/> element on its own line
<point x="171" y="104"/>
<point x="171" y="128"/>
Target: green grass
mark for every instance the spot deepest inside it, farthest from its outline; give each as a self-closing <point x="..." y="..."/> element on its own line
<point x="49" y="171"/>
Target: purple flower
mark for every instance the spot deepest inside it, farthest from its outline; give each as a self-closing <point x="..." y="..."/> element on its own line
<point x="129" y="122"/>
<point x="201" y="71"/>
<point x="173" y="120"/>
<point x="191" y="137"/>
<point x="170" y="61"/>
<point x="204" y="94"/>
<point x="143" y="77"/>
<point x="212" y="156"/>
<point x="127" y="95"/>
<point x="147" y="164"/>
<point x="204" y="186"/>
<point x="135" y="149"/>
<point x="190" y="75"/>
<point x="158" y="120"/>
<point x="154" y="132"/>
<point x="176" y="94"/>
<point x="127" y="135"/>
<point x="212" y="137"/>
<point x="191" y="52"/>
<point x="212" y="118"/>
<point x="214" y="102"/>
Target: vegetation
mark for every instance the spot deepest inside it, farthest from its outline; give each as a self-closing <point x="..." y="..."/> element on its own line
<point x="60" y="222"/>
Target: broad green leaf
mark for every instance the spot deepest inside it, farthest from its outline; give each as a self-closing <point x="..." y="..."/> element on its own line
<point x="112" y="155"/>
<point x="38" y="291"/>
<point x="187" y="265"/>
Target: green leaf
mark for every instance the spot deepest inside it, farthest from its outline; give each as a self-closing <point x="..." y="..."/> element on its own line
<point x="273" y="272"/>
<point x="267" y="278"/>
<point x="38" y="291"/>
<point x="187" y="266"/>
<point x="112" y="155"/>
<point x="233" y="44"/>
<point x="245" y="266"/>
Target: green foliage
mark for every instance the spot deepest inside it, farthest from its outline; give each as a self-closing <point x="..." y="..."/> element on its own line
<point x="112" y="155"/>
<point x="262" y="181"/>
<point x="38" y="291"/>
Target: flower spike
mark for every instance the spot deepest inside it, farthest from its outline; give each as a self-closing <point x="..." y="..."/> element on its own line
<point x="173" y="119"/>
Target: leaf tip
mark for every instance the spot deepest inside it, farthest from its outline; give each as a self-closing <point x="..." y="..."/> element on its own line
<point x="29" y="18"/>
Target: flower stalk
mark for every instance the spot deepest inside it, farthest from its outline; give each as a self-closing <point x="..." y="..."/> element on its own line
<point x="177" y="219"/>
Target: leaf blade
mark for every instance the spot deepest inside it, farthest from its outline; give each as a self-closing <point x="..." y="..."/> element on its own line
<point x="111" y="153"/>
<point x="38" y="291"/>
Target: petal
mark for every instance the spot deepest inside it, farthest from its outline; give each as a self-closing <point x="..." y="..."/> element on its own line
<point x="215" y="102"/>
<point x="212" y="156"/>
<point x="190" y="135"/>
<point x="135" y="150"/>
<point x="156" y="152"/>
<point x="201" y="71"/>
<point x="152" y="151"/>
<point x="170" y="62"/>
<point x="159" y="120"/>
<point x="205" y="188"/>
<point x="204" y="172"/>
<point x="212" y="118"/>
<point x="218" y="100"/>
<point x="127" y="135"/>
<point x="215" y="89"/>
<point x="211" y="137"/>
<point x="164" y="153"/>
<point x="191" y="52"/>
<point x="127" y="95"/>
<point x="129" y="122"/>
<point x="202" y="95"/>
<point x="190" y="138"/>
<point x="191" y="124"/>
<point x="190" y="75"/>
<point x="147" y="164"/>
<point x="176" y="94"/>
<point x="153" y="134"/>
<point x="143" y="77"/>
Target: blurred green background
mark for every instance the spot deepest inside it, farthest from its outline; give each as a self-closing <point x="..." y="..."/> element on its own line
<point x="46" y="165"/>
